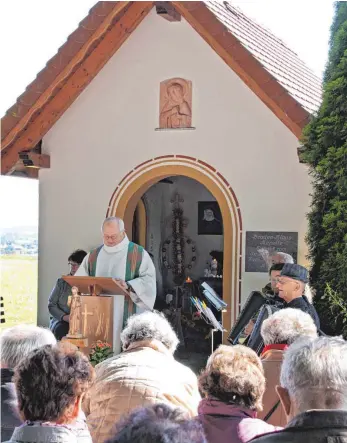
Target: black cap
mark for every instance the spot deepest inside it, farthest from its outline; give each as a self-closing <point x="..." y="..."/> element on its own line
<point x="296" y="272"/>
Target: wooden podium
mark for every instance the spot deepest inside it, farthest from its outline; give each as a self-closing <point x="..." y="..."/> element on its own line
<point x="96" y="312"/>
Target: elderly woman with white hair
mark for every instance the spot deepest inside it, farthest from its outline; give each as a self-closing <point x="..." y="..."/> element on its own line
<point x="279" y="331"/>
<point x="144" y="373"/>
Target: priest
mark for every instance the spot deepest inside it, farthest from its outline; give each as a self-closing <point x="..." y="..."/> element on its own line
<point x="125" y="261"/>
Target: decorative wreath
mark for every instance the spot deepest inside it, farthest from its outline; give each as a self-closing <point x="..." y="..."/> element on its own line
<point x="166" y="249"/>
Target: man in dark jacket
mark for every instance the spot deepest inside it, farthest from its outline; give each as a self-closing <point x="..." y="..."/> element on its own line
<point x="16" y="343"/>
<point x="313" y="393"/>
<point x="270" y="291"/>
<point x="291" y="287"/>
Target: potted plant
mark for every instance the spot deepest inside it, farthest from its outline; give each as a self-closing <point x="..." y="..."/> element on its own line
<point x="100" y="351"/>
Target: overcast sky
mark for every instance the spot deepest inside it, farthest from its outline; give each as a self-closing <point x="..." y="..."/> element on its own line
<point x="31" y="32"/>
<point x="303" y="25"/>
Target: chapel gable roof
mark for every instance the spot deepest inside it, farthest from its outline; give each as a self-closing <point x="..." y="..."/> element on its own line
<point x="274" y="55"/>
<point x="271" y="70"/>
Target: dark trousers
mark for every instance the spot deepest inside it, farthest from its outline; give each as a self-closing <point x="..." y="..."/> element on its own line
<point x="60" y="329"/>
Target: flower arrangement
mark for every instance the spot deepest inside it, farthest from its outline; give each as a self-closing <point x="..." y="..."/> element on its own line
<point x="100" y="351"/>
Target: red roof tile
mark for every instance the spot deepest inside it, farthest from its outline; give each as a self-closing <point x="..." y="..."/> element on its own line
<point x="279" y="60"/>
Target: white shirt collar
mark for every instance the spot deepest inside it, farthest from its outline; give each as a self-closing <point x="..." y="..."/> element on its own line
<point x="122" y="245"/>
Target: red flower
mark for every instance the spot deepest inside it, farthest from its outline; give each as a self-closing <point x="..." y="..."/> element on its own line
<point x="100" y="346"/>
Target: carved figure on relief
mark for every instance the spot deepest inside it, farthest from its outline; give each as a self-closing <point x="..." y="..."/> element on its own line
<point x="175" y="103"/>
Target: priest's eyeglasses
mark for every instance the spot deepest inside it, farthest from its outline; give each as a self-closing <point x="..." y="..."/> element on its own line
<point x="114" y="237"/>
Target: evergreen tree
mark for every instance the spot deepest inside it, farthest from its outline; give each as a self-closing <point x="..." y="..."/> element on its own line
<point x="325" y="151"/>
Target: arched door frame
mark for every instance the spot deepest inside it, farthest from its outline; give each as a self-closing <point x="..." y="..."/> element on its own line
<point x="142" y="222"/>
<point x="132" y="187"/>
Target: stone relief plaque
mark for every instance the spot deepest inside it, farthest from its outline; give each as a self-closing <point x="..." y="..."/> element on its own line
<point x="260" y="246"/>
<point x="175" y="104"/>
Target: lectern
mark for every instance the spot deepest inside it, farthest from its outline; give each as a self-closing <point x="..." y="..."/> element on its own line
<point x="96" y="311"/>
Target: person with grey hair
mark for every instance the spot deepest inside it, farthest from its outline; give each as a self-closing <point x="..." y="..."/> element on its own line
<point x="281" y="257"/>
<point x="279" y="331"/>
<point x="275" y="257"/>
<point x="15" y="344"/>
<point x="269" y="291"/>
<point x="144" y="373"/>
<point x="125" y="261"/>
<point x="291" y="286"/>
<point x="313" y="392"/>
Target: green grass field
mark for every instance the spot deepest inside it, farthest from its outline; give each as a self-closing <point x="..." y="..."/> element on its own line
<point x="18" y="286"/>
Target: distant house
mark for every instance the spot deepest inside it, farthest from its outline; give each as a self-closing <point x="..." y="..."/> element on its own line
<point x="18" y="249"/>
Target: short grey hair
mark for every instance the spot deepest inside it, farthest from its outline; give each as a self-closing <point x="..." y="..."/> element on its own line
<point x="149" y="325"/>
<point x="285" y="257"/>
<point x="314" y="372"/>
<point x="116" y="220"/>
<point x="17" y="342"/>
<point x="286" y="326"/>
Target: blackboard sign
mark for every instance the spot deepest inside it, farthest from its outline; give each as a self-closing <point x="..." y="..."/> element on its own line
<point x="260" y="246"/>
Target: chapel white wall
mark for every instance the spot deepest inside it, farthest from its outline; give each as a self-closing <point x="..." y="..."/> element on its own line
<point x="111" y="128"/>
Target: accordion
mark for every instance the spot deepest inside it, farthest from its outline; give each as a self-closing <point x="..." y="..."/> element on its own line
<point x="259" y="304"/>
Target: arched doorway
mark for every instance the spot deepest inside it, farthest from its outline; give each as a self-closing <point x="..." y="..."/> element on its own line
<point x="133" y="186"/>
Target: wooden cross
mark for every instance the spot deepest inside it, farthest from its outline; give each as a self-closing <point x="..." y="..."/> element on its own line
<point x="177" y="200"/>
<point x="85" y="314"/>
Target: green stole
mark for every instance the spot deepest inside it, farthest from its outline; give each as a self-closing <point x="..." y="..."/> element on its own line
<point x="132" y="271"/>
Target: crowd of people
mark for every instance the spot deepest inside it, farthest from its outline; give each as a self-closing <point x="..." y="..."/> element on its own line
<point x="295" y="391"/>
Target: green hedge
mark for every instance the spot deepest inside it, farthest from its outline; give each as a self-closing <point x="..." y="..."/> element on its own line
<point x="325" y="151"/>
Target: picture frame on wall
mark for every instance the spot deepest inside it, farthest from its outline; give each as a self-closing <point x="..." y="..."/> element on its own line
<point x="210" y="220"/>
